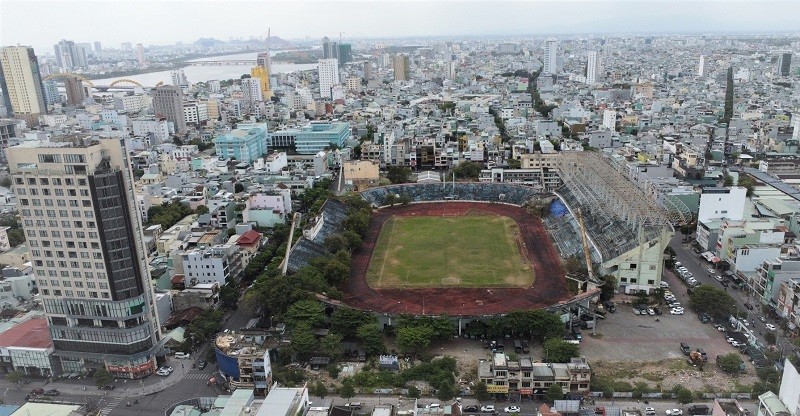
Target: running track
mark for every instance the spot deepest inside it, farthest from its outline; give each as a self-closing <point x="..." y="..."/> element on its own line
<point x="548" y="289"/>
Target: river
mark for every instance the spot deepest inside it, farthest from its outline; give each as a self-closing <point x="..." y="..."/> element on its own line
<point x="208" y="73"/>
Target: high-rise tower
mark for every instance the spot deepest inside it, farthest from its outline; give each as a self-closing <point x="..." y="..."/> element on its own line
<point x="79" y="213"/>
<point x="784" y="64"/>
<point x="168" y="103"/>
<point x="550" y="58"/>
<point x="23" y="91"/>
<point x="592" y="67"/>
<point x="328" y="77"/>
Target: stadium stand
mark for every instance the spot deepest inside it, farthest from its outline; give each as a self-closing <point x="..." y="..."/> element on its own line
<point x="461" y="191"/>
<point x="311" y="245"/>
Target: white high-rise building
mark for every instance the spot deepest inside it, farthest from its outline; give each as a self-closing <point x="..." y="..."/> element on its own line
<point x="550" y="58"/>
<point x="610" y="119"/>
<point x="84" y="236"/>
<point x="592" y="67"/>
<point x="701" y="67"/>
<point x="140" y="54"/>
<point x="328" y="76"/>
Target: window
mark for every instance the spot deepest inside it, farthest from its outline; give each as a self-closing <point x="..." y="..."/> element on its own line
<point x="34" y="191"/>
<point x="72" y="192"/>
<point x="84" y="192"/>
<point x="57" y="293"/>
<point x="59" y="192"/>
<point x="90" y="285"/>
<point x="57" y="181"/>
<point x="21" y="191"/>
<point x="69" y="181"/>
<point x="18" y="181"/>
<point x="81" y="182"/>
<point x="91" y="294"/>
<point x="81" y="294"/>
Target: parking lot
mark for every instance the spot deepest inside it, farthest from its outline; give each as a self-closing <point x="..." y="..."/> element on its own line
<point x="628" y="337"/>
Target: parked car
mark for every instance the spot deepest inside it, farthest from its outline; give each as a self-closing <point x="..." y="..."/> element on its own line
<point x="685" y="349"/>
<point x="202" y="364"/>
<point x="649" y="411"/>
<point x="471" y="408"/>
<point x="719" y="278"/>
<point x="37" y="391"/>
<point x="512" y="409"/>
<point x="674" y="412"/>
<point x="52" y="393"/>
<point x="181" y="355"/>
<point x="354" y="405"/>
<point x="676" y="312"/>
<point x="487" y="408"/>
<point x="771" y="327"/>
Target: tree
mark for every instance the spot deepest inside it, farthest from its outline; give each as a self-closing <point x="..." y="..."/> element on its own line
<point x="335" y="272"/>
<point x="770" y="338"/>
<point x="398" y="174"/>
<point x="747" y="182"/>
<point x="308" y="312"/>
<point x="481" y="392"/>
<point x="390" y="199"/>
<point x="715" y="302"/>
<point x="348" y="321"/>
<point x="303" y="341"/>
<point x="331" y="345"/>
<point x="468" y="170"/>
<point x="347" y="391"/>
<point x="5" y="182"/>
<point x="412" y="340"/>
<point x="319" y="389"/>
<point x="728" y="181"/>
<point x="729" y="363"/>
<point x="228" y="297"/>
<point x="371" y="339"/>
<point x="413" y="392"/>
<point x="239" y="187"/>
<point x="14" y="376"/>
<point x="554" y="392"/>
<point x="682" y="394"/>
<point x="200" y="210"/>
<point x="560" y="351"/>
<point x="102" y="377"/>
<point x="608" y="288"/>
<point x="446" y="391"/>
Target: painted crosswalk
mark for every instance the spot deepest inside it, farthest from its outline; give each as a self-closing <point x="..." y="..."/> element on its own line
<point x="196" y="376"/>
<point x="110" y="406"/>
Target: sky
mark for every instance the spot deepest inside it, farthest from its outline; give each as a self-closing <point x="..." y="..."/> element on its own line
<point x="43" y="23"/>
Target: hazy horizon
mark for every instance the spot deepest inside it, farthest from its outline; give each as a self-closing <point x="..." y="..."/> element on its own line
<point x="41" y="24"/>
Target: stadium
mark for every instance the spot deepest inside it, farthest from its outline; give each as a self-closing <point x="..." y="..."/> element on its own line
<point x="472" y="249"/>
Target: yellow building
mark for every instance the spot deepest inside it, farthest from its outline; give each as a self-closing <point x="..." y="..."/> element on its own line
<point x="263" y="75"/>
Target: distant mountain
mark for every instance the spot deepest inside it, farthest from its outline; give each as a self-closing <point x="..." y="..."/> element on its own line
<point x="278" y="43"/>
<point x="207" y="42"/>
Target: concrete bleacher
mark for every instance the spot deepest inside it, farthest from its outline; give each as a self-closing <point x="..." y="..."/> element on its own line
<point x="460" y="191"/>
<point x="611" y="236"/>
<point x="311" y="245"/>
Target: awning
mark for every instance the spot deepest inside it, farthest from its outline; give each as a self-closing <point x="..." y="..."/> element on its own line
<point x="716" y="259"/>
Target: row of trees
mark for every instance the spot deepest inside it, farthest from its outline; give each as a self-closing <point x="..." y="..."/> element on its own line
<point x="169" y="213"/>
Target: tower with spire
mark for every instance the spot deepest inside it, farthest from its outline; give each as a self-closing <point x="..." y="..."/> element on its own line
<point x="262" y="70"/>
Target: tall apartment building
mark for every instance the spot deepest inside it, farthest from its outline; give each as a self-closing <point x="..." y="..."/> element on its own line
<point x="23" y="92"/>
<point x="701" y="66"/>
<point x="140" y="54"/>
<point x="328" y="76"/>
<point x="69" y="55"/>
<point x="401" y="68"/>
<point x="75" y="90"/>
<point x="168" y="103"/>
<point x="784" y="64"/>
<point x="78" y="210"/>
<point x="592" y="67"/>
<point x="550" y="58"/>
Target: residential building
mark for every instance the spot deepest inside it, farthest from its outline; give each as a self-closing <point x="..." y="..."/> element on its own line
<point x="195" y="112"/>
<point x="701" y="66"/>
<point x="267" y="210"/>
<point x="27" y="346"/>
<point x="784" y="66"/>
<point x="23" y="92"/>
<point x="526" y="378"/>
<point x="717" y="204"/>
<point x="79" y="214"/>
<point x="158" y="131"/>
<point x="168" y="104"/>
<point x="772" y="277"/>
<point x="401" y="68"/>
<point x="140" y="54"/>
<point x="243" y="358"/>
<point x="210" y="265"/>
<point x="789" y="392"/>
<point x="202" y="295"/>
<point x="769" y="404"/>
<point x="345" y="53"/>
<point x="320" y="135"/>
<point x="327" y="49"/>
<point x="328" y="77"/>
<point x="550" y="58"/>
<point x="592" y="67"/>
<point x="261" y="73"/>
<point x="69" y="55"/>
<point x="76" y="92"/>
<point x="610" y="120"/>
<point x="246" y="143"/>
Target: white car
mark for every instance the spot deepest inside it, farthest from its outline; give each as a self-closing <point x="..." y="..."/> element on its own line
<point x="164" y="371"/>
<point x="676" y="312"/>
<point x="719" y="278"/>
<point x="771" y="327"/>
<point x="650" y="311"/>
<point x="710" y="270"/>
<point x="487" y="408"/>
<point x="664" y="284"/>
<point x="736" y="344"/>
<point x="512" y="409"/>
<point x="649" y="411"/>
<point x="674" y="412"/>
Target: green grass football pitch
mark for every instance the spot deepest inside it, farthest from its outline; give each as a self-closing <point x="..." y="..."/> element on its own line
<point x="462" y="251"/>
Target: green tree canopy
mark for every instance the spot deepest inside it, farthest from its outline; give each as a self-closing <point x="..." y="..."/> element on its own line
<point x="729" y="363"/>
<point x="14" y="376"/>
<point x="412" y="340"/>
<point x="303" y="340"/>
<point x="559" y="351"/>
<point x="682" y="394"/>
<point x="331" y="345"/>
<point x="481" y="392"/>
<point x="371" y="339"/>
<point x="554" y="392"/>
<point x="102" y="377"/>
<point x="308" y="312"/>
<point x="468" y="170"/>
<point x="715" y="302"/>
<point x="347" y="391"/>
<point x="348" y="321"/>
<point x="398" y="174"/>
